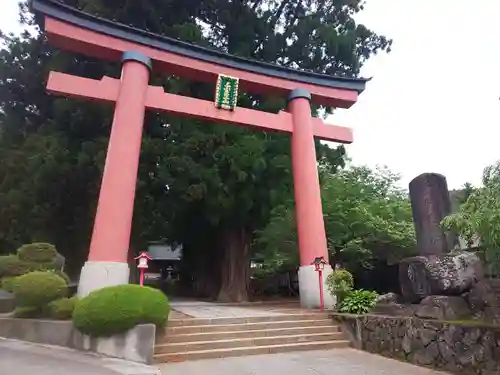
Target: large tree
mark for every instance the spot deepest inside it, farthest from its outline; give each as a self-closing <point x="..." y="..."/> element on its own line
<point x="207" y="186"/>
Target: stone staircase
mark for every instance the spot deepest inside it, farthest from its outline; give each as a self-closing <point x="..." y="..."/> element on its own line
<point x="191" y="339"/>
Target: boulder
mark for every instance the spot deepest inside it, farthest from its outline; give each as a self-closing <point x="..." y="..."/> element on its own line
<point x="446" y="274"/>
<point x="443" y="308"/>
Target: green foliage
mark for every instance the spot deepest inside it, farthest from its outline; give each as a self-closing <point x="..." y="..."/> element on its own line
<point x="479" y="217"/>
<point x="7" y="284"/>
<point x="358" y="302"/>
<point x="37" y="252"/>
<point x="117" y="309"/>
<point x="27" y="312"/>
<point x="340" y="283"/>
<point x="366" y="215"/>
<point x="11" y="265"/>
<point x="61" y="274"/>
<point x="62" y="309"/>
<point x="38" y="288"/>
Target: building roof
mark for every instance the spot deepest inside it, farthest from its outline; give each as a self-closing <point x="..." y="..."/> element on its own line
<point x="56" y="10"/>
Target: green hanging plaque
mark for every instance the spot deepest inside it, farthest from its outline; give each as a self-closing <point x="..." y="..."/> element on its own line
<point x="226" y="92"/>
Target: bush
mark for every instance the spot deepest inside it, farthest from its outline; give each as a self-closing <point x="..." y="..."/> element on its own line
<point x="61" y="274"/>
<point x="117" y="309"/>
<point x="8" y="284"/>
<point x="340" y="283"/>
<point x="37" y="252"/>
<point x="62" y="309"/>
<point x="358" y="302"/>
<point x="27" y="312"/>
<point x="37" y="289"/>
<point x="11" y="265"/>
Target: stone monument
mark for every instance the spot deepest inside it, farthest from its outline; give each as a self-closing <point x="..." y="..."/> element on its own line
<point x="430" y="203"/>
<point x="436" y="277"/>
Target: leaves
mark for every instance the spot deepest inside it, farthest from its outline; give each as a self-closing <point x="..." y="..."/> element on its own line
<point x="366" y="215"/>
<point x="479" y="217"/>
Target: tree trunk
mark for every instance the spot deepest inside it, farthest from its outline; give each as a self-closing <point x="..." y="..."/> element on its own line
<point x="235" y="266"/>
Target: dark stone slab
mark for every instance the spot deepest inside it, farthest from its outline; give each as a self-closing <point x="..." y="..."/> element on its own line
<point x="430" y="202"/>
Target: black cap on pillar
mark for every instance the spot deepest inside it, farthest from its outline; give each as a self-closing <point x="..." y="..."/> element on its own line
<point x="138" y="57"/>
<point x="298" y="93"/>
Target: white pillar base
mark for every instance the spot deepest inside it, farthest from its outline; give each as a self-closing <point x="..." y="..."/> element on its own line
<point x="98" y="275"/>
<point x="309" y="288"/>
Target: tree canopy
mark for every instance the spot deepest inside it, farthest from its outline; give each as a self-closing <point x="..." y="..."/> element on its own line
<point x="207" y="186"/>
<point x="367" y="215"/>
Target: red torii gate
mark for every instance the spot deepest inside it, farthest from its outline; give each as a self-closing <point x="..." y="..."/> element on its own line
<point x="140" y="52"/>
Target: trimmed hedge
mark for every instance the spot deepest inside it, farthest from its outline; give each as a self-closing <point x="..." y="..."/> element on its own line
<point x="38" y="252"/>
<point x="27" y="312"/>
<point x="116" y="309"/>
<point x="37" y="289"/>
<point x="7" y="284"/>
<point x="11" y="266"/>
<point x="62" y="309"/>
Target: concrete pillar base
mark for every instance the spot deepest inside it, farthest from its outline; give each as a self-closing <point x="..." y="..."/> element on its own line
<point x="98" y="275"/>
<point x="309" y="288"/>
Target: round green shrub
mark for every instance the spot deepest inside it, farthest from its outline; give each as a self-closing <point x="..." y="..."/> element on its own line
<point x="39" y="288"/>
<point x="340" y="283"/>
<point x="62" y="309"/>
<point x="7" y="284"/>
<point x="117" y="309"/>
<point x="61" y="274"/>
<point x="11" y="265"/>
<point x="38" y="252"/>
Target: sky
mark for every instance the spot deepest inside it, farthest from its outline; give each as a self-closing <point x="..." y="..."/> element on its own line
<point x="433" y="102"/>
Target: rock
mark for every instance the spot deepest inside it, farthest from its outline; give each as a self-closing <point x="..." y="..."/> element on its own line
<point x="450" y="274"/>
<point x="7" y="303"/>
<point x="59" y="262"/>
<point x="388" y="298"/>
<point x="443" y="308"/>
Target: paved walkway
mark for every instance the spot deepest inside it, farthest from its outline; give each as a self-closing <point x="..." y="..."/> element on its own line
<point x="329" y="362"/>
<point x="214" y="310"/>
<point x="18" y="357"/>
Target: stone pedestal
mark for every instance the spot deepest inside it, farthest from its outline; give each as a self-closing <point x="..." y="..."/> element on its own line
<point x="449" y="274"/>
<point x="443" y="308"/>
<point x="309" y="288"/>
<point x="98" y="275"/>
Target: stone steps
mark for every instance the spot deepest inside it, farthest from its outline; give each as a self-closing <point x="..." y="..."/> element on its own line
<point x="191" y="339"/>
<point x="244" y="351"/>
<point x="258" y="326"/>
<point x="255" y="333"/>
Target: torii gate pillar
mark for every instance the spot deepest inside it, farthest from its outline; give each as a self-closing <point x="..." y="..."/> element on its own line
<point x="308" y="209"/>
<point x="107" y="264"/>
